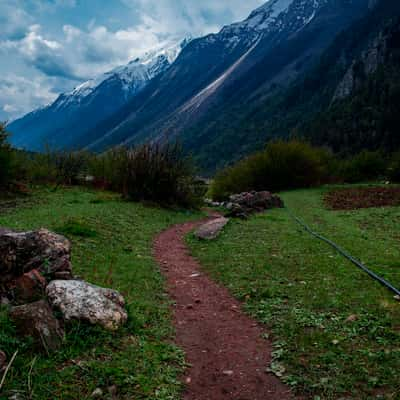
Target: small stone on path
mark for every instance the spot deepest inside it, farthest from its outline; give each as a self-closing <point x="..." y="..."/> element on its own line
<point x="211" y="229"/>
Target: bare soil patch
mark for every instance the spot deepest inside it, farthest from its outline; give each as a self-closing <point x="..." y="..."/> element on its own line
<point x="368" y="197"/>
<point x="227" y="354"/>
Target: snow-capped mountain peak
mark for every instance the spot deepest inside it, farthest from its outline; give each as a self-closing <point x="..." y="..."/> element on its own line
<point x="271" y="16"/>
<point x="261" y="17"/>
<point x="132" y="77"/>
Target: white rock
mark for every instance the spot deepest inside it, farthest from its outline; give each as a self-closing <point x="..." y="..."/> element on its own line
<point x="211" y="229"/>
<point x="97" y="393"/>
<point x="83" y="301"/>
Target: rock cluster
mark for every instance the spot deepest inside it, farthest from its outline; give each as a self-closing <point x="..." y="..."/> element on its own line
<point x="243" y="204"/>
<point x="36" y="279"/>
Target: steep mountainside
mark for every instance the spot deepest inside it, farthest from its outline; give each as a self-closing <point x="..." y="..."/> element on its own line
<point x="216" y="74"/>
<point x="62" y="123"/>
<point x="365" y="110"/>
<point x="348" y="101"/>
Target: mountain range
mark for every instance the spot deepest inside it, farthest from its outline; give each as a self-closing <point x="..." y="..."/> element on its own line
<point x="63" y="123"/>
<point x="287" y="69"/>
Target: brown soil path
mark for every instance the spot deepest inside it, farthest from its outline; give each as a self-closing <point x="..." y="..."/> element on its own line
<point x="224" y="347"/>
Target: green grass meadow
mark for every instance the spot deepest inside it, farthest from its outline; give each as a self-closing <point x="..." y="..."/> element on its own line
<point x="112" y="242"/>
<point x="336" y="332"/>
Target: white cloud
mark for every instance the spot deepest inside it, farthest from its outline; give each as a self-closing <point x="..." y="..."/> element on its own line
<point x="10" y="109"/>
<point x="48" y="56"/>
<point x="191" y="16"/>
<point x="82" y="54"/>
<point x="19" y="94"/>
<point x="13" y="20"/>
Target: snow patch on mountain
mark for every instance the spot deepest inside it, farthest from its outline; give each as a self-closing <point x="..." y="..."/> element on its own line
<point x="263" y="17"/>
<point x="271" y="16"/>
<point x="132" y="77"/>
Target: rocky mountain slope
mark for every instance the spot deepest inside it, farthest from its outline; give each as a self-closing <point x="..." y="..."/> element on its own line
<point x="62" y="123"/>
<point x="365" y="109"/>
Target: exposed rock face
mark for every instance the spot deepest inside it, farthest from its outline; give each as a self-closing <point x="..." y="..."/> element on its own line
<point x="211" y="229"/>
<point x="363" y="67"/>
<point x="243" y="204"/>
<point x="83" y="301"/>
<point x="37" y="320"/>
<point x="21" y="252"/>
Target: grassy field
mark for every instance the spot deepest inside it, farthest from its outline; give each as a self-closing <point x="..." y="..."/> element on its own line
<point x="111" y="247"/>
<point x="336" y="332"/>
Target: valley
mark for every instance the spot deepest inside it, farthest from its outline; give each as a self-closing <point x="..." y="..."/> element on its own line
<point x="200" y="200"/>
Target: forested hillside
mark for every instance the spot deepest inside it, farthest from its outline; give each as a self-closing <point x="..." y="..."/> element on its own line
<point x="348" y="101"/>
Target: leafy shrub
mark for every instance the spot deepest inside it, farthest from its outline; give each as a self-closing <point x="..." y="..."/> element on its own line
<point x="40" y="168"/>
<point x="70" y="167"/>
<point x="154" y="173"/>
<point x="160" y="174"/>
<point x="282" y="165"/>
<point x="62" y="168"/>
<point x="6" y="158"/>
<point x="394" y="168"/>
<point x="365" y="166"/>
<point x="106" y="168"/>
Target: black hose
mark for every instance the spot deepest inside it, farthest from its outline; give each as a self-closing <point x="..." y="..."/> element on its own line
<point x="346" y="255"/>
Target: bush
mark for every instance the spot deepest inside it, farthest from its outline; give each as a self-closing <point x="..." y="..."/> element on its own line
<point x="394" y="168"/>
<point x="61" y="168"/>
<point x="6" y="158"/>
<point x="153" y="173"/>
<point x="107" y="168"/>
<point x="366" y="166"/>
<point x="70" y="167"/>
<point x="282" y="165"/>
<point x="160" y="174"/>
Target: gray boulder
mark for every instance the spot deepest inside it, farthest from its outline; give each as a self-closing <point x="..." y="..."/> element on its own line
<point x="83" y="301"/>
<point x="41" y="250"/>
<point x="211" y="229"/>
<point x="37" y="320"/>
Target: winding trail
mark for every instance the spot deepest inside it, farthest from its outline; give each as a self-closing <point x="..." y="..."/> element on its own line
<point x="225" y="350"/>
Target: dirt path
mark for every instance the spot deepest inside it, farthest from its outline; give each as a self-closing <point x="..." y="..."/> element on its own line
<point x="224" y="347"/>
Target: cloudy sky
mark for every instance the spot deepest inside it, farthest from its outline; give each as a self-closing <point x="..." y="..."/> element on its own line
<point x="50" y="46"/>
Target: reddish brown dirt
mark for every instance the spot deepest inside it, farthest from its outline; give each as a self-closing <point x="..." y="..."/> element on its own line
<point x="356" y="198"/>
<point x="225" y="350"/>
